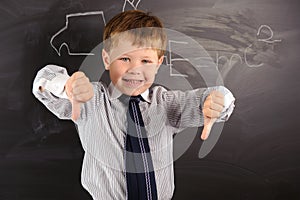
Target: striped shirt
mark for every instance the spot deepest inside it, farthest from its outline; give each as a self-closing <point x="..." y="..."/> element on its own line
<point x="102" y="129"/>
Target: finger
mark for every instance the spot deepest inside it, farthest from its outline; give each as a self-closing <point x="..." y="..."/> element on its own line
<point x="68" y="87"/>
<point x="212" y="105"/>
<point x="81" y="89"/>
<point x="208" y="124"/>
<point x="75" y="109"/>
<point x="80" y="81"/>
<point x="83" y="97"/>
<point x="217" y="94"/>
<point x="78" y="75"/>
<point x="217" y="107"/>
<point x="219" y="101"/>
<point x="216" y="97"/>
<point x="211" y="113"/>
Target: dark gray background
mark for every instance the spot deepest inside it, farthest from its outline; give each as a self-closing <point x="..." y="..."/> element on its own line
<point x="257" y="155"/>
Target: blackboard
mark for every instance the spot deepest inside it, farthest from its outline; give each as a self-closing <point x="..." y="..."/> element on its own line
<point x="255" y="46"/>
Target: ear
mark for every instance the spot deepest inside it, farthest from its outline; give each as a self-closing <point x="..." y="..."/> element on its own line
<point x="160" y="61"/>
<point x="106" y="59"/>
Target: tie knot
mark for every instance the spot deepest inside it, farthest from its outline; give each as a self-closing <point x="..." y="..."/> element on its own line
<point x="136" y="99"/>
<point x="125" y="99"/>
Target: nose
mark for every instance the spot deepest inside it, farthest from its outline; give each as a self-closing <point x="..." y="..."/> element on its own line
<point x="135" y="68"/>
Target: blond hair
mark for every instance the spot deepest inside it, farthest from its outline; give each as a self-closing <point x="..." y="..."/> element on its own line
<point x="143" y="29"/>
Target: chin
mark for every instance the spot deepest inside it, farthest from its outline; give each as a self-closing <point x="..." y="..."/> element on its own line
<point x="135" y="92"/>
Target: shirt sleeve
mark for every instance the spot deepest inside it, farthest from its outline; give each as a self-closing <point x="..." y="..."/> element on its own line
<point x="53" y="78"/>
<point x="184" y="109"/>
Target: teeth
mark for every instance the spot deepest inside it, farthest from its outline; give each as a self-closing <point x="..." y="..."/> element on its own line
<point x="133" y="81"/>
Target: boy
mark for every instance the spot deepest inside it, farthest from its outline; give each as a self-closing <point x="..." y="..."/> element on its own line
<point x="124" y="160"/>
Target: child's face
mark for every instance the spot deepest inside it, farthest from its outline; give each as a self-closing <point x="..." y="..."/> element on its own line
<point x="132" y="69"/>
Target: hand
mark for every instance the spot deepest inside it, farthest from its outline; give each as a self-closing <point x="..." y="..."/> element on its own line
<point x="212" y="108"/>
<point x="79" y="90"/>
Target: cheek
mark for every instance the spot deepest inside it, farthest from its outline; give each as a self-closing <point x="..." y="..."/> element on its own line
<point x="114" y="76"/>
<point x="150" y="74"/>
<point x="116" y="73"/>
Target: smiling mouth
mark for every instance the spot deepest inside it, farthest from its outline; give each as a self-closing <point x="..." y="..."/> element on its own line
<point x="132" y="82"/>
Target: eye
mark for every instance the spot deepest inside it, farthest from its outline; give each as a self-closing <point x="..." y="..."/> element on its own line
<point x="125" y="59"/>
<point x="145" y="61"/>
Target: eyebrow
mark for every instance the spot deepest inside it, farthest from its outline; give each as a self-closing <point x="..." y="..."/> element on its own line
<point x="147" y="57"/>
<point x="142" y="57"/>
<point x="124" y="55"/>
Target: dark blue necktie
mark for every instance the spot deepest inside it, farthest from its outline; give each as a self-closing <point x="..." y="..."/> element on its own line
<point x="140" y="178"/>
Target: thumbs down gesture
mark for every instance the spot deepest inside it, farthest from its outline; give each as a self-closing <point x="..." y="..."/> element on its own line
<point x="212" y="109"/>
<point x="79" y="90"/>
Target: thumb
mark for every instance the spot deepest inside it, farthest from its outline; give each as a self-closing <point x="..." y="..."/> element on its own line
<point x="75" y="104"/>
<point x="75" y="109"/>
<point x="208" y="124"/>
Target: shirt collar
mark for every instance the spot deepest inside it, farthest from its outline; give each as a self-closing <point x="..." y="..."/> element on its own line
<point x="114" y="93"/>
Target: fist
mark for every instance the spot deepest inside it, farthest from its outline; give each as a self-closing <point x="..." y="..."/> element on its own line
<point x="212" y="109"/>
<point x="79" y="90"/>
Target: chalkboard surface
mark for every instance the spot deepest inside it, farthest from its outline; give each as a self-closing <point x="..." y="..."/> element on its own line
<point x="255" y="46"/>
